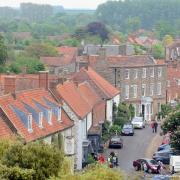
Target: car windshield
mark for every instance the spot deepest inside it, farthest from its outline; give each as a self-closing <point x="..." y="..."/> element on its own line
<point x="153" y="162"/>
<point x="127" y="127"/>
<point x="137" y="120"/>
<point x="115" y="139"/>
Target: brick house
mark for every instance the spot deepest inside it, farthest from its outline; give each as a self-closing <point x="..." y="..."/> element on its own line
<point x="142" y="82"/>
<point x="64" y="63"/>
<point x="172" y="52"/>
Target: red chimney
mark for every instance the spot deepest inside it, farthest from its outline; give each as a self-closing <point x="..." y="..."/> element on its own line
<point x="44" y="79"/>
<point x="9" y="84"/>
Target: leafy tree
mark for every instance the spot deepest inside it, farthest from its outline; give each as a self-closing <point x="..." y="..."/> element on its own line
<point x="123" y="114"/>
<point x="3" y="51"/>
<point x="98" y="28"/>
<point x="172" y="122"/>
<point x="175" y="139"/>
<point x="132" y="111"/>
<point x="158" y="51"/>
<point x="37" y="50"/>
<point x="32" y="65"/>
<point x="165" y="110"/>
<point x="167" y="40"/>
<point x="115" y="129"/>
<point x="44" y="159"/>
<point x="133" y="24"/>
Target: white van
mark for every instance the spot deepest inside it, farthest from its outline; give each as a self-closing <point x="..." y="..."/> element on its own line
<point x="175" y="164"/>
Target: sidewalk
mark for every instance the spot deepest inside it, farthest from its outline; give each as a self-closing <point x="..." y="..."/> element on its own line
<point x="154" y="144"/>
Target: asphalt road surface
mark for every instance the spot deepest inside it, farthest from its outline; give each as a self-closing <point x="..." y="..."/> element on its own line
<point x="134" y="147"/>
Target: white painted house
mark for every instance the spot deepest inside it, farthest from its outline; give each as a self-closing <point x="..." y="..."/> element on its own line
<point x="81" y="113"/>
<point x="102" y="87"/>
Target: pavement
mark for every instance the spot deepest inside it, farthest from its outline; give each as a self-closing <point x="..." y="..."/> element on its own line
<point x="143" y="144"/>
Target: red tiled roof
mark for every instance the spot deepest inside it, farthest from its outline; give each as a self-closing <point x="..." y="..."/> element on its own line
<point x="66" y="50"/>
<point x="105" y="86"/>
<point x="72" y="96"/>
<point x="88" y="94"/>
<point x="5" y="131"/>
<point x="27" y="96"/>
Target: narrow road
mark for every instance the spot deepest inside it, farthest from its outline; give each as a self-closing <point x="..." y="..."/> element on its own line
<point x="134" y="147"/>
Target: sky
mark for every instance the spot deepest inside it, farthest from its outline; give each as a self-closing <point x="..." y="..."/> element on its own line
<point x="75" y="4"/>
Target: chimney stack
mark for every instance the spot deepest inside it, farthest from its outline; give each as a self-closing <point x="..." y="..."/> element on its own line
<point x="9" y="84"/>
<point x="44" y="79"/>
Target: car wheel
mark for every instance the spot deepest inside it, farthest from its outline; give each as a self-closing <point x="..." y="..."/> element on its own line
<point x="149" y="171"/>
<point x="136" y="168"/>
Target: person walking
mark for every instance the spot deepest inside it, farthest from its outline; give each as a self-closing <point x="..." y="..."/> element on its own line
<point x="101" y="159"/>
<point x="152" y="126"/>
<point x="155" y="126"/>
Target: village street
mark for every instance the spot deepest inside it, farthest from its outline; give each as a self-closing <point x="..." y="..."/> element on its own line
<point x="135" y="147"/>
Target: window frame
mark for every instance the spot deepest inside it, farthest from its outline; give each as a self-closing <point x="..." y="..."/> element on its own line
<point x="127" y="72"/>
<point x="143" y="72"/>
<point x="143" y="85"/>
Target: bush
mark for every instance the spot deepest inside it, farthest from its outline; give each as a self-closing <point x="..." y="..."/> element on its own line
<point x="115" y="129"/>
<point x="44" y="159"/>
<point x="16" y="173"/>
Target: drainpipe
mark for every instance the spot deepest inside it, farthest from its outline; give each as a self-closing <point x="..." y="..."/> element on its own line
<point x="115" y="70"/>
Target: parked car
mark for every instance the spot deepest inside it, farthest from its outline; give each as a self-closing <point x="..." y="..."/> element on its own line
<point x="138" y="122"/>
<point x="116" y="142"/>
<point x="162" y="177"/>
<point x="164" y="155"/>
<point x="150" y="163"/>
<point x="164" y="147"/>
<point x="128" y="130"/>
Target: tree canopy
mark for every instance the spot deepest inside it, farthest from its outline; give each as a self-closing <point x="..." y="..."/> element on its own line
<point x="3" y="51"/>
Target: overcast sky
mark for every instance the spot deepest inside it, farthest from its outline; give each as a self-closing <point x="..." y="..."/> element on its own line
<point x="78" y="4"/>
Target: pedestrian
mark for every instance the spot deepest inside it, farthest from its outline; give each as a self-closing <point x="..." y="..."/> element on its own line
<point x="101" y="159"/>
<point x="152" y="126"/>
<point x="110" y="160"/>
<point x="160" y="166"/>
<point x="155" y="126"/>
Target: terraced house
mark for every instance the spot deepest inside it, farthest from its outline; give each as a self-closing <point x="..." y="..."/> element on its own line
<point x="142" y="81"/>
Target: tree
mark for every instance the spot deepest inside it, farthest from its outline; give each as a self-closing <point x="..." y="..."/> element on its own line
<point x="132" y="111"/>
<point x="167" y="40"/>
<point x="133" y="24"/>
<point x="165" y="110"/>
<point x="98" y="28"/>
<point x="31" y="64"/>
<point x="3" y="51"/>
<point x="123" y="114"/>
<point x="158" y="51"/>
<point x="44" y="159"/>
<point x="175" y="139"/>
<point x="171" y="122"/>
<point x="37" y="50"/>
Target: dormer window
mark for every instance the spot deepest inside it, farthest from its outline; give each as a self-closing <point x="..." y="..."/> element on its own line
<point x="59" y="115"/>
<point x="30" y="123"/>
<point x="40" y="119"/>
<point x="50" y="116"/>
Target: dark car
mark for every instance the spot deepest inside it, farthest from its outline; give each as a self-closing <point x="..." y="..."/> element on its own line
<point x="150" y="163"/>
<point x="164" y="155"/>
<point x="116" y="142"/>
<point x="128" y="130"/>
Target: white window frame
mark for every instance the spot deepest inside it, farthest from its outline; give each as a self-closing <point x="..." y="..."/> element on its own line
<point x="134" y="87"/>
<point x="178" y="82"/>
<point x="50" y="117"/>
<point x="152" y="71"/>
<point x="40" y="119"/>
<point x="168" y="83"/>
<point x="159" y="71"/>
<point x="143" y="86"/>
<point x="126" y="73"/>
<point x="59" y="114"/>
<point x="144" y="73"/>
<point x="126" y="91"/>
<point x="151" y="89"/>
<point x="135" y="73"/>
<point x="159" y="89"/>
<point x="30" y="123"/>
